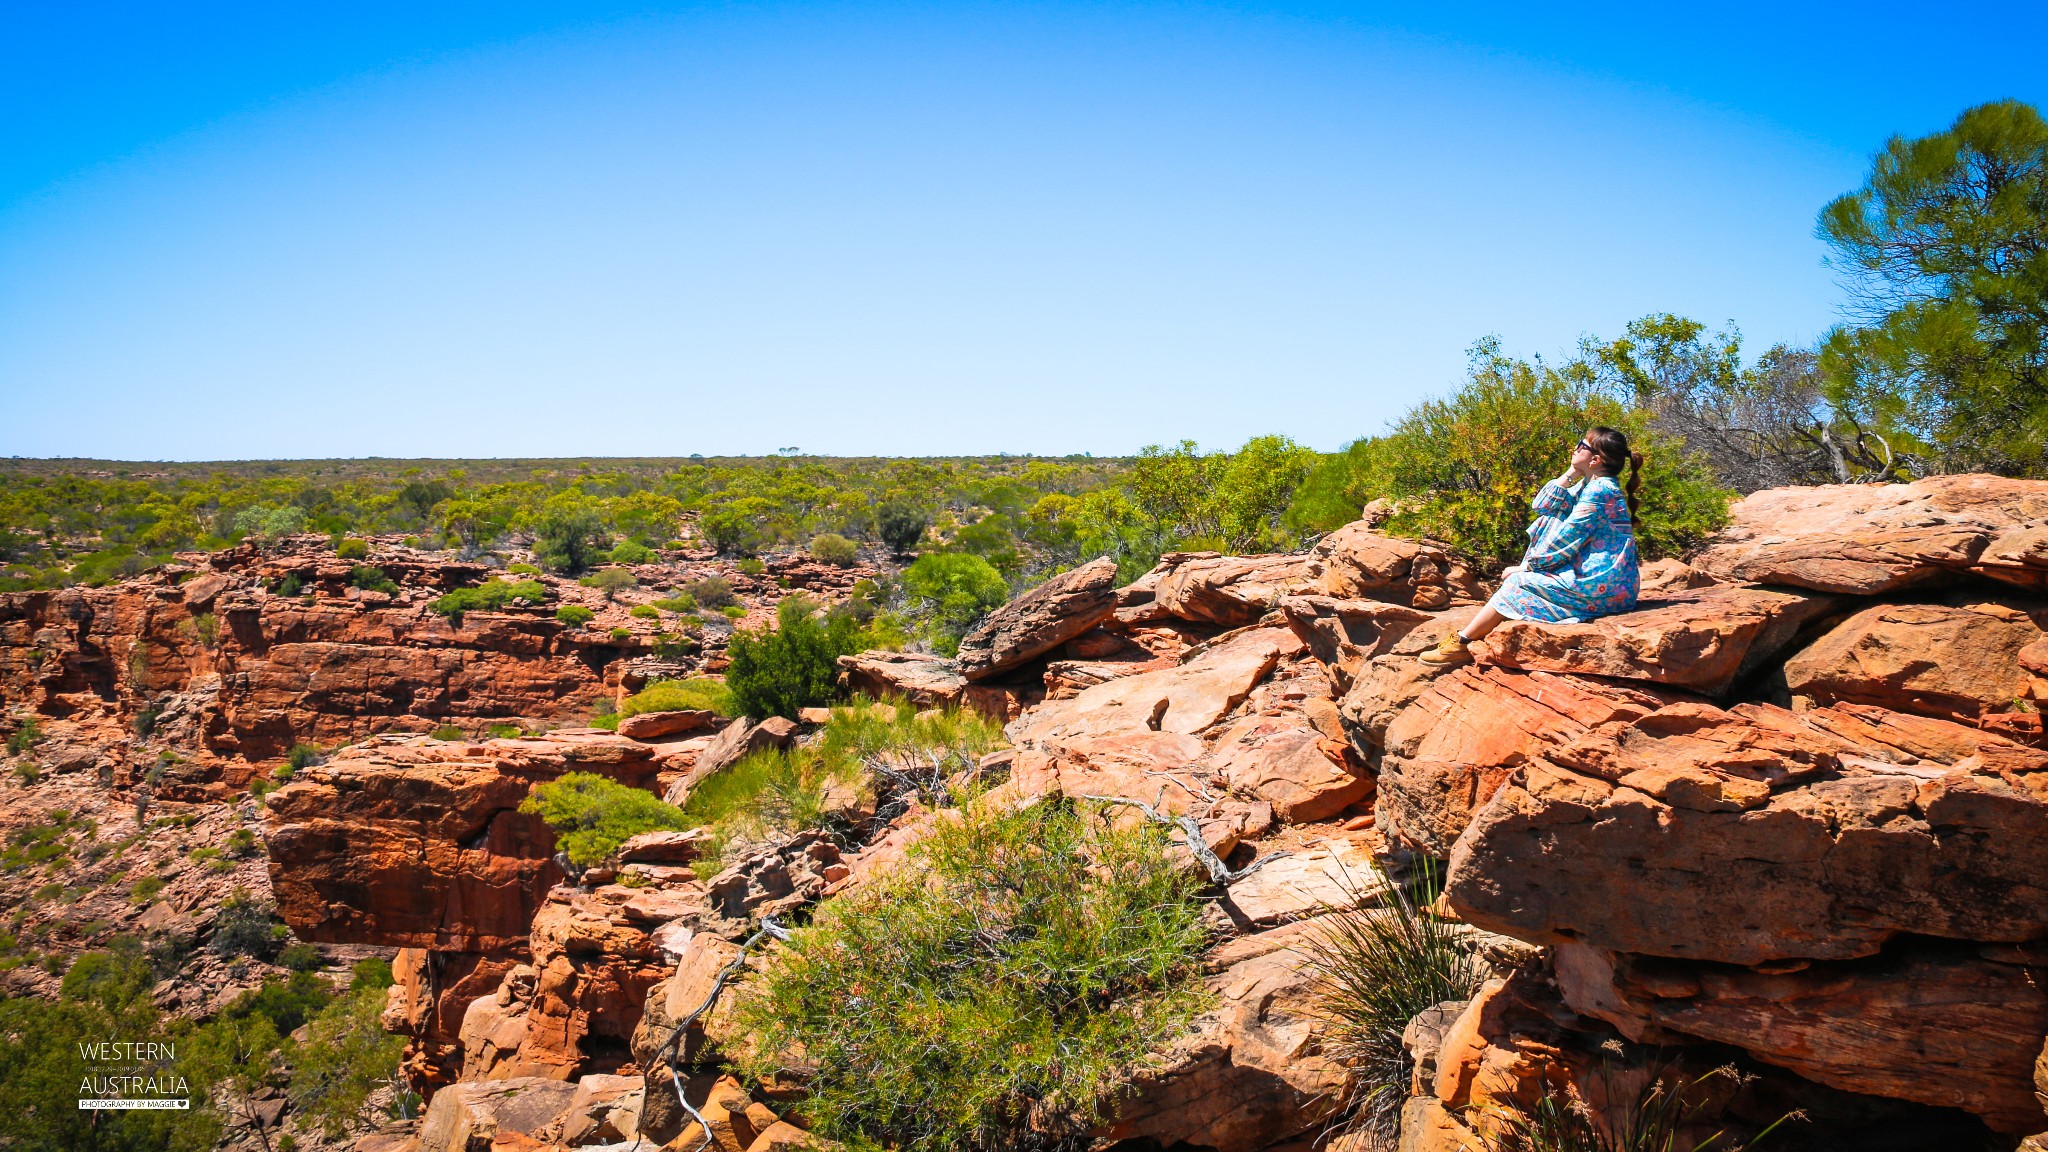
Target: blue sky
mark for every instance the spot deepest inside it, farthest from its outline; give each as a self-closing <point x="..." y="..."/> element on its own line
<point x="234" y="231"/>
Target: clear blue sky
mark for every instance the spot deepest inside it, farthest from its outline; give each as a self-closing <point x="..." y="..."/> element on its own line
<point x="467" y="229"/>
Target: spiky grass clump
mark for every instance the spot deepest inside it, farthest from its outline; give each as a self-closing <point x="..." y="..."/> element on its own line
<point x="1660" y="1117"/>
<point x="697" y="694"/>
<point x="989" y="992"/>
<point x="1378" y="967"/>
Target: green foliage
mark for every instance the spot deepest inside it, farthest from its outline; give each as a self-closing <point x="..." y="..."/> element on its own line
<point x="699" y="693"/>
<point x="901" y="525"/>
<point x="568" y="534"/>
<point x="1376" y="968"/>
<point x="1466" y="467"/>
<point x="733" y="612"/>
<point x="832" y="548"/>
<point x="949" y="593"/>
<point x="621" y="635"/>
<point x="1016" y="961"/>
<point x="303" y="756"/>
<point x="644" y="612"/>
<point x="575" y="615"/>
<point x="752" y="566"/>
<point x="1948" y="240"/>
<point x="352" y="549"/>
<point x="680" y="604"/>
<point x="290" y="585"/>
<point x="145" y="889"/>
<point x="1663" y="1114"/>
<point x="243" y="927"/>
<point x="711" y="592"/>
<point x="795" y="665"/>
<point x="448" y="732"/>
<point x="491" y="596"/>
<point x="345" y="1056"/>
<point x="504" y="731"/>
<point x="371" y="579"/>
<point x="592" y="815"/>
<point x="610" y="581"/>
<point x="632" y="552"/>
<point x="205" y="628"/>
<point x="521" y="570"/>
<point x="26" y="736"/>
<point x="300" y="956"/>
<point x="284" y="1002"/>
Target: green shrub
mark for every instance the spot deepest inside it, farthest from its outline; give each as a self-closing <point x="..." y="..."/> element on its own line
<point x="949" y="593"/>
<point x="352" y="549"/>
<point x="592" y="815"/>
<point x="347" y="1056"/>
<point x="371" y="579"/>
<point x="684" y="603"/>
<point x="491" y="596"/>
<point x="621" y="635"/>
<point x="1661" y="1114"/>
<point x="448" y="732"/>
<point x="300" y="956"/>
<point x="302" y="756"/>
<point x="699" y="693"/>
<point x="794" y="666"/>
<point x="733" y="612"/>
<point x="504" y="731"/>
<point x="644" y="612"/>
<point x="568" y="535"/>
<point x="241" y="842"/>
<point x="632" y="552"/>
<point x="205" y="628"/>
<point x="1015" y="962"/>
<point x="901" y="524"/>
<point x="1376" y="969"/>
<point x="711" y="592"/>
<point x="290" y="585"/>
<point x="832" y="548"/>
<point x="243" y="927"/>
<point x="521" y="570"/>
<point x="575" y="615"/>
<point x="285" y="1002"/>
<point x="25" y="737"/>
<point x="610" y="581"/>
<point x="752" y="566"/>
<point x="144" y="890"/>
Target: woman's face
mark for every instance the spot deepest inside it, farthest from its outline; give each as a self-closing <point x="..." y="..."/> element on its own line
<point x="1583" y="457"/>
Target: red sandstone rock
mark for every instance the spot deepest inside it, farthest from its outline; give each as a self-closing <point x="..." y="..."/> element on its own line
<point x="1701" y="639"/>
<point x="1361" y="563"/>
<point x="1186" y="699"/>
<point x="1758" y="834"/>
<point x="1232" y="591"/>
<point x="1868" y="539"/>
<point x="1344" y="634"/>
<point x="649" y="725"/>
<point x="419" y="843"/>
<point x="1959" y="661"/>
<point x="470" y="1117"/>
<point x="1279" y="759"/>
<point x="924" y="681"/>
<point x="1042" y="619"/>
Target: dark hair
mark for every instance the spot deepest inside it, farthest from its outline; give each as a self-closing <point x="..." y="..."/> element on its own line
<point x="1612" y="448"/>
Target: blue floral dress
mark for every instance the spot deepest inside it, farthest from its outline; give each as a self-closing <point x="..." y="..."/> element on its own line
<point x="1581" y="561"/>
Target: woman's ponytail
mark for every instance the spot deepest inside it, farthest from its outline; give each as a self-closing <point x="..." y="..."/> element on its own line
<point x="1635" y="478"/>
<point x="1612" y="448"/>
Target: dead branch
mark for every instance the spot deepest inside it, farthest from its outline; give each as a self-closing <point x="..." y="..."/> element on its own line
<point x="672" y="1049"/>
<point x="1220" y="873"/>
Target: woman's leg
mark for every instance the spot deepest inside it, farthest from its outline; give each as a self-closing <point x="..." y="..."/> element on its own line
<point x="1483" y="621"/>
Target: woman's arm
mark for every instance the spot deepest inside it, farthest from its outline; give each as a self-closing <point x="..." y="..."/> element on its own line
<point x="1554" y="499"/>
<point x="1561" y="547"/>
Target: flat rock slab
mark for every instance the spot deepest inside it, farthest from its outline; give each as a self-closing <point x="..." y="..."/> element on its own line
<point x="1232" y="591"/>
<point x="1957" y="660"/>
<point x="1333" y="873"/>
<point x="1703" y="639"/>
<point x="1867" y="539"/>
<point x="1954" y="1026"/>
<point x="1757" y="834"/>
<point x="651" y="725"/>
<point x="1282" y="760"/>
<point x="1040" y="620"/>
<point x="1185" y="699"/>
<point x="1344" y="634"/>
<point x="923" y="680"/>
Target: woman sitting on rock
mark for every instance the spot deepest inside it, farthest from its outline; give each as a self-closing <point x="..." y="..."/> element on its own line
<point x="1581" y="561"/>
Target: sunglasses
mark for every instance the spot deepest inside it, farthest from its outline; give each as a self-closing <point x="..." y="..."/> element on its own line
<point x="1586" y="446"/>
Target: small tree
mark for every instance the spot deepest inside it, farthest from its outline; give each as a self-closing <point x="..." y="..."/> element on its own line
<point x="795" y="666"/>
<point x="901" y="524"/>
<point x="610" y="581"/>
<point x="950" y="592"/>
<point x="593" y="815"/>
<point x="832" y="548"/>
<point x="567" y="535"/>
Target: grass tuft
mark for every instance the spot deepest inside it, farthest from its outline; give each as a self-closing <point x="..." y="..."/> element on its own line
<point x="699" y="693"/>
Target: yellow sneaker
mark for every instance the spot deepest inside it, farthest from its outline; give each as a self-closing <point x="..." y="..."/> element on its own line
<point x="1452" y="649"/>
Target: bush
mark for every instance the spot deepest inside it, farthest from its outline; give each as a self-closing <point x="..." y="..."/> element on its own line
<point x="521" y="570"/>
<point x="950" y="592"/>
<point x="610" y="581"/>
<point x="1016" y="962"/>
<point x="290" y="585"/>
<point x="901" y="525"/>
<point x="346" y="1057"/>
<point x="832" y="548"/>
<point x="25" y="737"/>
<point x="1377" y="968"/>
<point x="699" y="693"/>
<point x="144" y="890"/>
<point x="504" y="731"/>
<point x="631" y="552"/>
<point x="710" y="592"/>
<point x="300" y="956"/>
<point x="1655" y="1115"/>
<point x="371" y="579"/>
<point x="775" y="673"/>
<point x="644" y="612"/>
<point x="682" y="604"/>
<point x="352" y="549"/>
<point x="592" y="815"/>
<point x="491" y="596"/>
<point x="448" y="732"/>
<point x="575" y="615"/>
<point x="567" y="535"/>
<point x="243" y="928"/>
<point x="733" y="612"/>
<point x="621" y="635"/>
<point x="302" y="756"/>
<point x="751" y="566"/>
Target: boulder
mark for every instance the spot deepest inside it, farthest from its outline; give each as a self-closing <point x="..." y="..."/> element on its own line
<point x="1358" y="562"/>
<point x="429" y="1001"/>
<point x="734" y="742"/>
<point x="604" y="1109"/>
<point x="1042" y="619"/>
<point x="1868" y="539"/>
<point x="1306" y="776"/>
<point x="1344" y="634"/>
<point x="650" y="725"/>
<point x="419" y="843"/>
<point x="469" y="1117"/>
<point x="662" y="847"/>
<point x="1956" y="660"/>
<point x="1951" y="1025"/>
<point x="1186" y="699"/>
<point x="1232" y="591"/>
<point x="595" y="964"/>
<point x="924" y="681"/>
<point x="1701" y="639"/>
<point x="1327" y="872"/>
<point x="1756" y="834"/>
<point x="1466" y="732"/>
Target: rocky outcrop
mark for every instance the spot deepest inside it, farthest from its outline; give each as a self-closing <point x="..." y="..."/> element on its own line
<point x="1042" y="619"/>
<point x="1869" y="539"/>
<point x="1231" y="591"/>
<point x="419" y="843"/>
<point x="1957" y="660"/>
<point x="1360" y="562"/>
